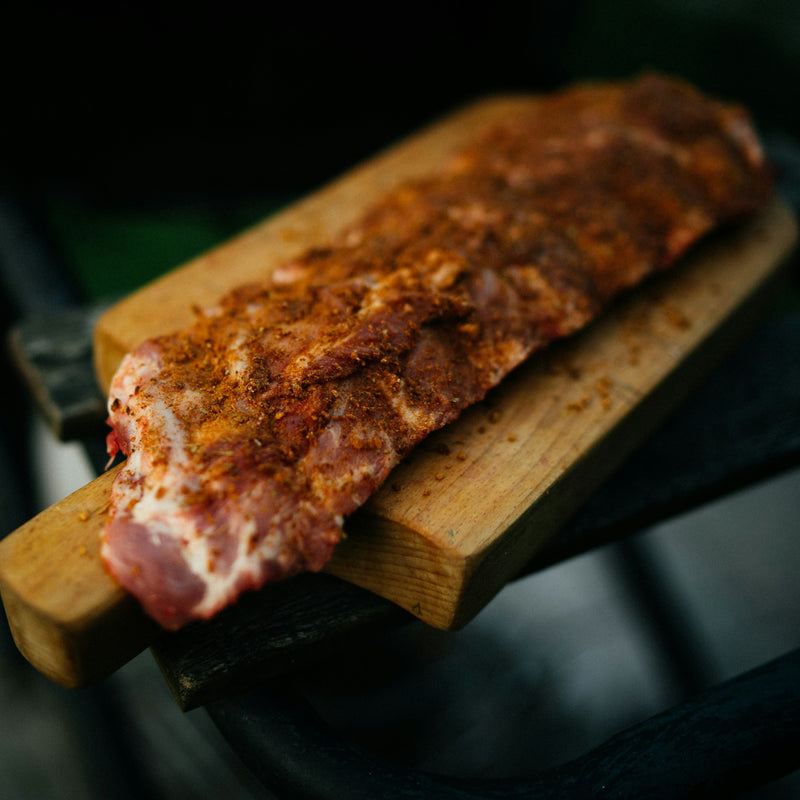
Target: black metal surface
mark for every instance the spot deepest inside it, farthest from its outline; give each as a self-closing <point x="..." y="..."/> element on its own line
<point x="728" y="739"/>
<point x="54" y="353"/>
<point x="270" y="633"/>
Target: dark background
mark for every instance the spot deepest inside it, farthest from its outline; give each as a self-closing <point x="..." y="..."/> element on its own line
<point x="256" y="96"/>
<point x="221" y="112"/>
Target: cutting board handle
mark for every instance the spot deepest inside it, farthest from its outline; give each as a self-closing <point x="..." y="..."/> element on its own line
<point x="67" y="615"/>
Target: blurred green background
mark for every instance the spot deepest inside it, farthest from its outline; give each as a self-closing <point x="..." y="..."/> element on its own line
<point x="145" y="133"/>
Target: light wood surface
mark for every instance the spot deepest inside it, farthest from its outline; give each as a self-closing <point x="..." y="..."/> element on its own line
<point x="69" y="618"/>
<point x="475" y="501"/>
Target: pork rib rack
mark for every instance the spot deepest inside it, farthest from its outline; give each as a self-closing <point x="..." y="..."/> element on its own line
<point x="251" y="435"/>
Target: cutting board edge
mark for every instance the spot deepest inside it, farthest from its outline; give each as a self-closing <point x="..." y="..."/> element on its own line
<point x="61" y="632"/>
<point x="119" y="353"/>
<point x="413" y="572"/>
<point x="65" y="652"/>
<point x="480" y="573"/>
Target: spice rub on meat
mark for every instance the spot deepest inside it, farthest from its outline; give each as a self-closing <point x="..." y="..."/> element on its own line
<point x="251" y="435"/>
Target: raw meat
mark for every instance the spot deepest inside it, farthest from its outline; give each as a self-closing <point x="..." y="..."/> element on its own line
<point x="253" y="434"/>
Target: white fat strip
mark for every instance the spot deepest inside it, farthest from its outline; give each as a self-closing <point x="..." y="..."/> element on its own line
<point x="657" y="144"/>
<point x="190" y="399"/>
<point x="474" y="213"/>
<point x="446" y="274"/>
<point x="155" y="514"/>
<point x="131" y="371"/>
<point x="509" y="355"/>
<point x="221" y="586"/>
<point x="290" y="272"/>
<point x="740" y="129"/>
<point x="134" y="371"/>
<point x="353" y="463"/>
<point x="414" y="417"/>
<point x="161" y="488"/>
<point x="238" y="362"/>
<point x="161" y="420"/>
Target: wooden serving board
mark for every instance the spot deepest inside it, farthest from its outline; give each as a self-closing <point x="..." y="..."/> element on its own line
<point x="462" y="515"/>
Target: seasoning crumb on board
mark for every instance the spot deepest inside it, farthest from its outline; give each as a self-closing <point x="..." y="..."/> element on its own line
<point x="604" y="390"/>
<point x="573" y="371"/>
<point x="579" y="405"/>
<point x="676" y="317"/>
<point x="634" y="350"/>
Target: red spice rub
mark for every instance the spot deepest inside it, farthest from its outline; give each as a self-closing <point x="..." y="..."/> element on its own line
<point x="252" y="434"/>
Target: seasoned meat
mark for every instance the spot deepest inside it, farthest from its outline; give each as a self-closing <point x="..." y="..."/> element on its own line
<point x="251" y="435"/>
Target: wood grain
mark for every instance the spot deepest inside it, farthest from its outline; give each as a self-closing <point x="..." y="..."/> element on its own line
<point x="475" y="501"/>
<point x="68" y="617"/>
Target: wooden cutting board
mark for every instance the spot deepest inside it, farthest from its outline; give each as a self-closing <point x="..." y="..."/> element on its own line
<point x="462" y="515"/>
